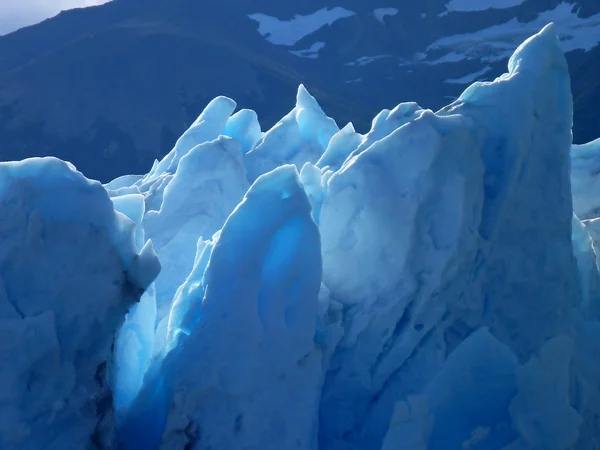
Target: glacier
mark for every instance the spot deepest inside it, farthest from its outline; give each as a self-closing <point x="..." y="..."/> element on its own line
<point x="69" y="273"/>
<point x="431" y="284"/>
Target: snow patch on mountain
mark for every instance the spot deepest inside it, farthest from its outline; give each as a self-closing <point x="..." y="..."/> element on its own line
<point x="480" y="5"/>
<point x="312" y="52"/>
<point x="497" y="43"/>
<point x="289" y="32"/>
<point x="381" y="13"/>
<point x="452" y="57"/>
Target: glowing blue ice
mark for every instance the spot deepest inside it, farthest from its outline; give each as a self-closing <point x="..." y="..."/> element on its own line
<point x="426" y="285"/>
<point x="69" y="271"/>
<point x="300" y="137"/>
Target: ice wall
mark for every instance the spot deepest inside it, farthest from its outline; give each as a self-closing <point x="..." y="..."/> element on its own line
<point x="68" y="274"/>
<point x="585" y="167"/>
<point x="245" y="351"/>
<point x="457" y="213"/>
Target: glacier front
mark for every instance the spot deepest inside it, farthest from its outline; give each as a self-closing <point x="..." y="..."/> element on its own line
<point x="432" y="284"/>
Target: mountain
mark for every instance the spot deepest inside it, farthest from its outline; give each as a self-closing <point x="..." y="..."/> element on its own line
<point x="111" y="87"/>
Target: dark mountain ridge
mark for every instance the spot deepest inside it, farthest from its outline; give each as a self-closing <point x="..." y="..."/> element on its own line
<point x="111" y="87"/>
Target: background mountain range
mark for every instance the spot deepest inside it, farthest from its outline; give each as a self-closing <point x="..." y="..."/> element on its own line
<point x="111" y="87"/>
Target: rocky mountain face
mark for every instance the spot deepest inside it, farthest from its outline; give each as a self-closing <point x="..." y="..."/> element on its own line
<point x="110" y="87"/>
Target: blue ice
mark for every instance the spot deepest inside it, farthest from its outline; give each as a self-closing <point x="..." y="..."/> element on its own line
<point x="432" y="284"/>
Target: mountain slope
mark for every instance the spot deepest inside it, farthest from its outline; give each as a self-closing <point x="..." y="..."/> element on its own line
<point x="102" y="86"/>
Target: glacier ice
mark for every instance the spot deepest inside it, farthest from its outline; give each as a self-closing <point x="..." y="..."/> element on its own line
<point x="300" y="137"/>
<point x="259" y="303"/>
<point x="442" y="229"/>
<point x="214" y="168"/>
<point x="431" y="284"/>
<point x="585" y="183"/>
<point x="69" y="271"/>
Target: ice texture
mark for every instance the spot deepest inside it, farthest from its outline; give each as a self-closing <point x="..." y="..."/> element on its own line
<point x="585" y="182"/>
<point x="431" y="284"/>
<point x="259" y="304"/>
<point x="210" y="180"/>
<point x="69" y="272"/>
<point x="446" y="210"/>
<point x="300" y="137"/>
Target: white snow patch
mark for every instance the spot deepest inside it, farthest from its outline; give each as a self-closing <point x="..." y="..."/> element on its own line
<point x="481" y="5"/>
<point x="381" y="13"/>
<point x="497" y="42"/>
<point x="452" y="57"/>
<point x="312" y="52"/>
<point x="289" y="32"/>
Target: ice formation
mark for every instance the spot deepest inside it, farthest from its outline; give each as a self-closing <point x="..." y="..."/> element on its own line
<point x="585" y="182"/>
<point x="432" y="284"/>
<point x="69" y="271"/>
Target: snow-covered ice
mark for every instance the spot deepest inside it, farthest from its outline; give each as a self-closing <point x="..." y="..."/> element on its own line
<point x="431" y="284"/>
